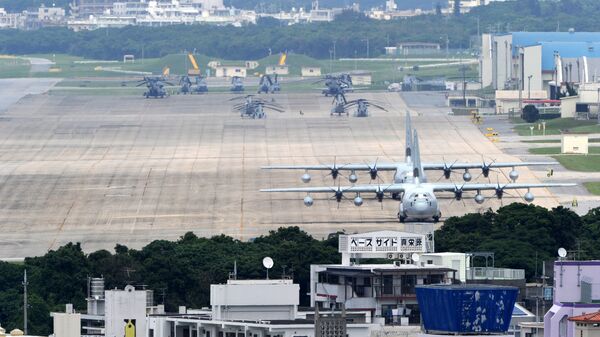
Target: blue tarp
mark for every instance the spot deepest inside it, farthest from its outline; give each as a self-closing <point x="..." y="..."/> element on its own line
<point x="466" y="308"/>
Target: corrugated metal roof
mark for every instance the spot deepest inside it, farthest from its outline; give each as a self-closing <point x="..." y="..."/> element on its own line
<point x="567" y="50"/>
<point x="523" y="39"/>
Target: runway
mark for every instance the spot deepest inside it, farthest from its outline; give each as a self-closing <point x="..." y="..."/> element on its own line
<point x="106" y="170"/>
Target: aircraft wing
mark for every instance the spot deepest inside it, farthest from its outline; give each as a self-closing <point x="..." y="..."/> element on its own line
<point x="346" y="189"/>
<point x="327" y="167"/>
<point x="458" y="166"/>
<point x="478" y="187"/>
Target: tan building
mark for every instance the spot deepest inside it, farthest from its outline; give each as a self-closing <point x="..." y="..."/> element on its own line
<point x="277" y="70"/>
<point x="68" y="323"/>
<point x="362" y="79"/>
<point x="311" y="71"/>
<point x="574" y="144"/>
<point x="507" y="101"/>
<point x="587" y="325"/>
<point x="230" y="71"/>
<point x="584" y="105"/>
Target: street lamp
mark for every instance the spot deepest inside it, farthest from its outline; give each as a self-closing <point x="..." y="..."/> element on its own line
<point x="598" y="106"/>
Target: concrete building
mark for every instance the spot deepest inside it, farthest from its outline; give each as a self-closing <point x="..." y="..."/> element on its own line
<point x="417" y="48"/>
<point x="246" y="300"/>
<point x="584" y="105"/>
<point x="251" y="308"/>
<point x="277" y="70"/>
<point x="574" y="144"/>
<point x="387" y="290"/>
<point x="311" y="71"/>
<point x="576" y="292"/>
<point x="51" y="15"/>
<point x="230" y="71"/>
<point x="531" y="59"/>
<point x="587" y="325"/>
<point x="66" y="324"/>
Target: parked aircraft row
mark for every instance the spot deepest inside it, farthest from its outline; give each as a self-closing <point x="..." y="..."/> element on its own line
<point x="410" y="186"/>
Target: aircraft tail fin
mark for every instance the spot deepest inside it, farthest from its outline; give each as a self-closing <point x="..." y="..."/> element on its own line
<point x="418" y="172"/>
<point x="408" y="152"/>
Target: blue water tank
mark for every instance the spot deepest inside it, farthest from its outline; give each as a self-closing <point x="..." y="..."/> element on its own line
<point x="469" y="308"/>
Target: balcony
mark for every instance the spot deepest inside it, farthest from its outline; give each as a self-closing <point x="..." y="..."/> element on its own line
<point x="488" y="273"/>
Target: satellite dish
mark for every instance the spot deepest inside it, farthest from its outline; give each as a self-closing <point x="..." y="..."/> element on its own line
<point x="562" y="252"/>
<point x="267" y="262"/>
<point x="415" y="257"/>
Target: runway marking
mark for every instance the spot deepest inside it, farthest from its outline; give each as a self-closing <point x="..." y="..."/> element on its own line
<point x="61" y="225"/>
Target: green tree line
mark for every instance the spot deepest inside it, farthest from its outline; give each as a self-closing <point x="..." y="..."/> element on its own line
<point x="184" y="269"/>
<point x="350" y="31"/>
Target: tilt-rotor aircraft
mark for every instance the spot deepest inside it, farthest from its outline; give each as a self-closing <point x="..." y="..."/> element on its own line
<point x="417" y="196"/>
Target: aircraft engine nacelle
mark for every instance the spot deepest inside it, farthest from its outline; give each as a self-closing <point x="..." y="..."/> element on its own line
<point x="479" y="198"/>
<point x="513" y="175"/>
<point x="528" y="196"/>
<point x="448" y="172"/>
<point x="467" y="176"/>
<point x="308" y="201"/>
<point x="306" y="178"/>
<point x="458" y="193"/>
<point x="373" y="173"/>
<point x="358" y="201"/>
<point x="352" y="178"/>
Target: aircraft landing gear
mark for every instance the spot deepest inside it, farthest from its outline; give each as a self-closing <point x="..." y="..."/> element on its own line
<point x="401" y="217"/>
<point x="436" y="219"/>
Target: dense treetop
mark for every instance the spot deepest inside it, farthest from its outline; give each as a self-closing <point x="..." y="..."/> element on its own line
<point x="350" y="31"/>
<point x="184" y="269"/>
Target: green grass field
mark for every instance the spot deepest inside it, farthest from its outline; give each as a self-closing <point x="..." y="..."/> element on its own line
<point x="581" y="163"/>
<point x="593" y="187"/>
<point x="13" y="67"/>
<point x="558" y="126"/>
<point x="549" y="141"/>
<point x="556" y="150"/>
<point x="383" y="70"/>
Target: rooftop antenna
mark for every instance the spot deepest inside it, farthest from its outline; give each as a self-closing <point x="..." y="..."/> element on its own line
<point x="268" y="264"/>
<point x="233" y="275"/>
<point x="415" y="257"/>
<point x="25" y="283"/>
<point x="562" y="253"/>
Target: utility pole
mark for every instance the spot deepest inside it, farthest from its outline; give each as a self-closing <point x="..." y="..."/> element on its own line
<point x="25" y="283"/>
<point x="334" y="49"/>
<point x="529" y="86"/>
<point x="598" y="115"/>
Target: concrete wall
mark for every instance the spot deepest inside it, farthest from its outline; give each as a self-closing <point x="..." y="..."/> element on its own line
<point x="502" y="59"/>
<point x="279" y="70"/>
<point x="123" y="305"/>
<point x="574" y="144"/>
<point x="255" y="299"/>
<point x="586" y="330"/>
<point x="485" y="69"/>
<point x="568" y="106"/>
<point x="67" y="324"/>
<point x="532" y="66"/>
<point x="311" y="71"/>
<point x="225" y="71"/>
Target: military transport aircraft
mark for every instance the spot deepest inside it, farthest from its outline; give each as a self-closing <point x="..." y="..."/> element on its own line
<point x="417" y="196"/>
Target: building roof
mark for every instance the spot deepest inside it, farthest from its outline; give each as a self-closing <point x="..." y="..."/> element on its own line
<point x="522" y="39"/>
<point x="567" y="50"/>
<point x="587" y="318"/>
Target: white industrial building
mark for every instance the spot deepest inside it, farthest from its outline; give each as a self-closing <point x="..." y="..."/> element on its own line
<point x="250" y="308"/>
<point x="387" y="290"/>
<point x="534" y="59"/>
